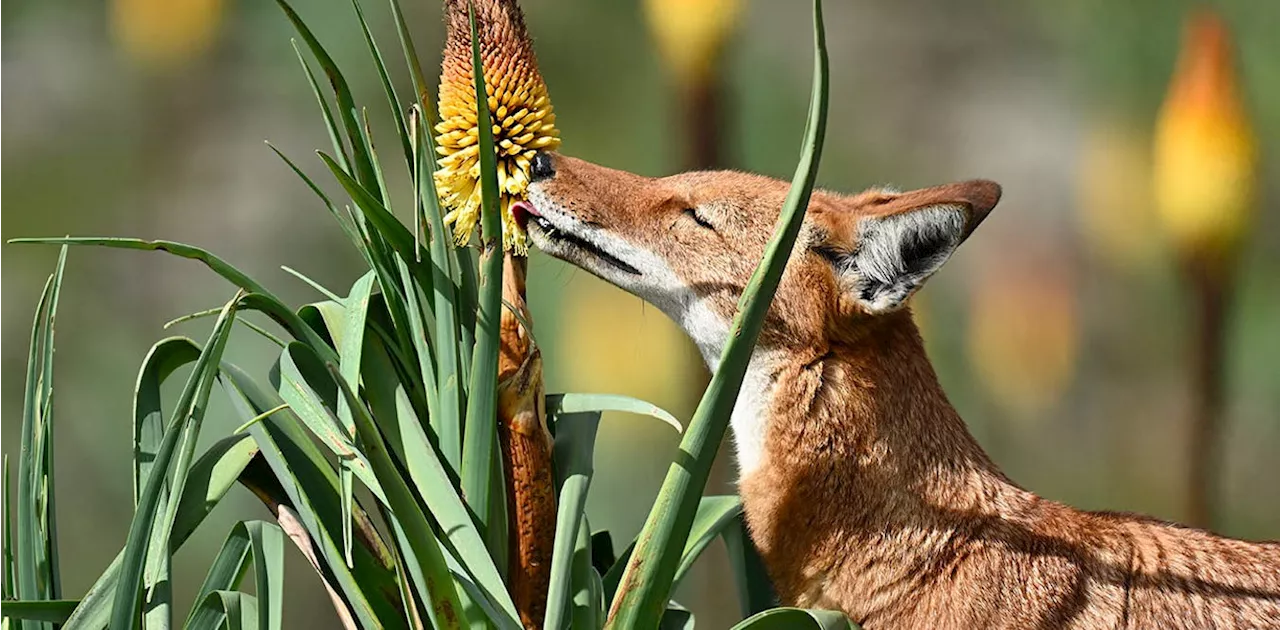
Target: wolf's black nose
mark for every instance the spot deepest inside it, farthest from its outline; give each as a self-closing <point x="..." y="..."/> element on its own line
<point x="541" y="168"/>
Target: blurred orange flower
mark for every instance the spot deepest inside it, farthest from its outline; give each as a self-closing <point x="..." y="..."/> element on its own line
<point x="1206" y="155"/>
<point x="691" y="33"/>
<point x="165" y="34"/>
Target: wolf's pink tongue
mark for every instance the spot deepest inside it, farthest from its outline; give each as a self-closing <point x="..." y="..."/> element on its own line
<point x="521" y="211"/>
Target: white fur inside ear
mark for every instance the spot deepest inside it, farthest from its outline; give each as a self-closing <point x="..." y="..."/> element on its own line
<point x="896" y="253"/>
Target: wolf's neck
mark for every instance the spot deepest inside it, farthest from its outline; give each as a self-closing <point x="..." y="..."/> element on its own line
<point x="872" y="404"/>
<point x="852" y="453"/>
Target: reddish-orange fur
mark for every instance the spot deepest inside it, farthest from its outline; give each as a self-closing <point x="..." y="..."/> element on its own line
<point x="870" y="496"/>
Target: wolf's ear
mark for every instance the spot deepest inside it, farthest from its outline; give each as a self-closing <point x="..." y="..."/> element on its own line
<point x="887" y="244"/>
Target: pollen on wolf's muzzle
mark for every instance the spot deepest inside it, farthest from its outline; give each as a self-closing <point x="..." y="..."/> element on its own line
<point x="519" y="110"/>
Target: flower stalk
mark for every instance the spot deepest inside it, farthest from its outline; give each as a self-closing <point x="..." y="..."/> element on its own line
<point x="691" y="35"/>
<point x="1205" y="165"/>
<point x="522" y="124"/>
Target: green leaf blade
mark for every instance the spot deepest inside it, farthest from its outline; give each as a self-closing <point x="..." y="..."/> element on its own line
<point x="185" y="422"/>
<point x="797" y="619"/>
<point x="438" y="588"/>
<point x="347" y="111"/>
<point x="481" y="487"/>
<point x="647" y="582"/>
<point x="573" y="452"/>
<point x="299" y="481"/>
<point x="166" y="356"/>
<point x="55" y="611"/>
<point x="36" y="566"/>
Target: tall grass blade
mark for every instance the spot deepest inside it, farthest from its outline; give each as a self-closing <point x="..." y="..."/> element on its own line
<point x="164" y="357"/>
<point x="225" y="573"/>
<point x="449" y="348"/>
<point x="357" y="309"/>
<point x="366" y="139"/>
<point x="311" y="395"/>
<point x="343" y="222"/>
<point x="185" y="422"/>
<point x="213" y="312"/>
<point x="573" y="453"/>
<point x="755" y="590"/>
<point x="211" y="476"/>
<point x="415" y="67"/>
<point x="7" y="575"/>
<point x="264" y="543"/>
<point x="647" y="583"/>
<point x="219" y="266"/>
<point x="578" y="403"/>
<point x="468" y="306"/>
<point x="421" y="333"/>
<point x="323" y="290"/>
<point x="36" y="566"/>
<point x="52" y="611"/>
<point x="258" y="297"/>
<point x="331" y="125"/>
<point x="387" y="225"/>
<point x="432" y="480"/>
<point x="393" y="100"/>
<point x="301" y="478"/>
<point x="480" y="486"/>
<point x="676" y="617"/>
<point x="414" y="613"/>
<point x="381" y="228"/>
<point x="715" y="515"/>
<point x="342" y="92"/>
<point x="157" y="581"/>
<point x="438" y="589"/>
<point x="231" y="610"/>
<point x="797" y="619"/>
<point x="588" y="592"/>
<point x="50" y="504"/>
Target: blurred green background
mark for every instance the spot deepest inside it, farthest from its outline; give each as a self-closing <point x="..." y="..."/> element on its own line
<point x="1061" y="330"/>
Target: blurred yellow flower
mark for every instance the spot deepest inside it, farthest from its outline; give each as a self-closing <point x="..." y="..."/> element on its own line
<point x="1205" y="151"/>
<point x="165" y="34"/>
<point x="519" y="109"/>
<point x="1114" y="194"/>
<point x="1023" y="334"/>
<point x="691" y="33"/>
<point x="647" y="362"/>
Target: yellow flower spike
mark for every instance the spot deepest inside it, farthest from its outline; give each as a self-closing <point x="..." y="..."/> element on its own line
<point x="512" y="84"/>
<point x="1205" y="160"/>
<point x="1113" y="187"/>
<point x="691" y="33"/>
<point x="163" y="35"/>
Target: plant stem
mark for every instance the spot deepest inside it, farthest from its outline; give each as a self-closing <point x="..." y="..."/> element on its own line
<point x="646" y="583"/>
<point x="703" y="106"/>
<point x="526" y="451"/>
<point x="1210" y="294"/>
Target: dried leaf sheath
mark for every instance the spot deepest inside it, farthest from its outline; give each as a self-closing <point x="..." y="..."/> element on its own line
<point x="526" y="452"/>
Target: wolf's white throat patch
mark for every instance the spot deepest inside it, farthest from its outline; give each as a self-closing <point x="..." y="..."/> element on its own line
<point x="750" y="419"/>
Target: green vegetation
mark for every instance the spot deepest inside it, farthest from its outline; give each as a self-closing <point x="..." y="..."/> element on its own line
<point x="393" y="388"/>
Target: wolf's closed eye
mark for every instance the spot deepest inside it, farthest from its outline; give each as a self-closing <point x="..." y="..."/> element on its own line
<point x="699" y="219"/>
